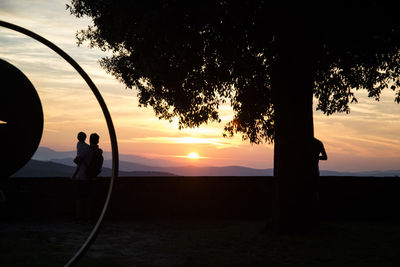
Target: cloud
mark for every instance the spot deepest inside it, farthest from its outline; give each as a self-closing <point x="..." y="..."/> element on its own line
<point x="178" y="140"/>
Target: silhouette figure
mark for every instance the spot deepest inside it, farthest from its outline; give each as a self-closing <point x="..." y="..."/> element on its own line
<point x="83" y="182"/>
<point x="81" y="149"/>
<point x="96" y="157"/>
<point x="319" y="153"/>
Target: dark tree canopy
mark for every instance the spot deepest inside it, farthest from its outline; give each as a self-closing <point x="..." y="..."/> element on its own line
<point x="188" y="57"/>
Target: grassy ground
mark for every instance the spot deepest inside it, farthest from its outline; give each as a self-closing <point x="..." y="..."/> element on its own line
<point x="200" y="243"/>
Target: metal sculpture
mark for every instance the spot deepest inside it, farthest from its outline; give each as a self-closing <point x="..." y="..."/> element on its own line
<point x="22" y="119"/>
<point x="110" y="126"/>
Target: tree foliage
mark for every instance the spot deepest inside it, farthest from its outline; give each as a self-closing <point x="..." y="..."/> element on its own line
<point x="186" y="58"/>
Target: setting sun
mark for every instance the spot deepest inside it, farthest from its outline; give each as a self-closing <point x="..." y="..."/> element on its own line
<point x="193" y="155"/>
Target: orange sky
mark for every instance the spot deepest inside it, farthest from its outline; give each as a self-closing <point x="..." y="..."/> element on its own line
<point x="367" y="139"/>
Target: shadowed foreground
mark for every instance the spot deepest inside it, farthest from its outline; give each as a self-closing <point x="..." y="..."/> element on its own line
<point x="234" y="198"/>
<point x="200" y="221"/>
<point x="200" y="243"/>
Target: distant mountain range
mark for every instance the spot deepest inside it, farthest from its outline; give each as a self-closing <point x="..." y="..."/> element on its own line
<point x="50" y="163"/>
<point x="132" y="164"/>
<point x="377" y="173"/>
<point x="36" y="168"/>
<point x="65" y="168"/>
<point x="48" y="154"/>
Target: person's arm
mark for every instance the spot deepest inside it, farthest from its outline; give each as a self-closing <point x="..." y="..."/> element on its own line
<point x="323" y="152"/>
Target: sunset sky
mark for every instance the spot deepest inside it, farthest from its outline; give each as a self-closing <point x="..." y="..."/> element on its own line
<point x="366" y="139"/>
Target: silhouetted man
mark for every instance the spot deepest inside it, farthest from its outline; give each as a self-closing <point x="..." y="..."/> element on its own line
<point x="319" y="153"/>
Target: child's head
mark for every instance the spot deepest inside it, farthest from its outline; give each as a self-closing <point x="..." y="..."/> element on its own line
<point x="81" y="136"/>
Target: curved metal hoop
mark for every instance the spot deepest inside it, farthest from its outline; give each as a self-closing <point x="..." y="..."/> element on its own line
<point x="111" y="130"/>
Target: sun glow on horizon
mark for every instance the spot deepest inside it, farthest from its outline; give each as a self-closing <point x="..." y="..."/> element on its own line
<point x="193" y="155"/>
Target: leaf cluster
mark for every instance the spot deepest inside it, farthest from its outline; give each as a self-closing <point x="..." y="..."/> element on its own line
<point x="186" y="58"/>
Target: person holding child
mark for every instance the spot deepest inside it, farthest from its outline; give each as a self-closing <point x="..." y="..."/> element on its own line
<point x="89" y="161"/>
<point x="82" y="186"/>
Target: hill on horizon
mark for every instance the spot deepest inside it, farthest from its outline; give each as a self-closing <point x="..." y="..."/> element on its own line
<point x="37" y="168"/>
<point x="138" y="164"/>
<point x="48" y="154"/>
<point x="65" y="168"/>
<point x="133" y="163"/>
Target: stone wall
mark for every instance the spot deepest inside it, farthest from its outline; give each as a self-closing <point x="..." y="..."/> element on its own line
<point x="135" y="198"/>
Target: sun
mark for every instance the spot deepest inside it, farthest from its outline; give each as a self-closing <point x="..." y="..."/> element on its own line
<point x="193" y="155"/>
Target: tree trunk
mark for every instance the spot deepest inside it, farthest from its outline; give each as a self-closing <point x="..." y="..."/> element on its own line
<point x="292" y="85"/>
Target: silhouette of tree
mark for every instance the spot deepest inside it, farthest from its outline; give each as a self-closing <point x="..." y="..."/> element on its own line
<point x="267" y="60"/>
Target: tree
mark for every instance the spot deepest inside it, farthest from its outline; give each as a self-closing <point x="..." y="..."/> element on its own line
<point x="266" y="60"/>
